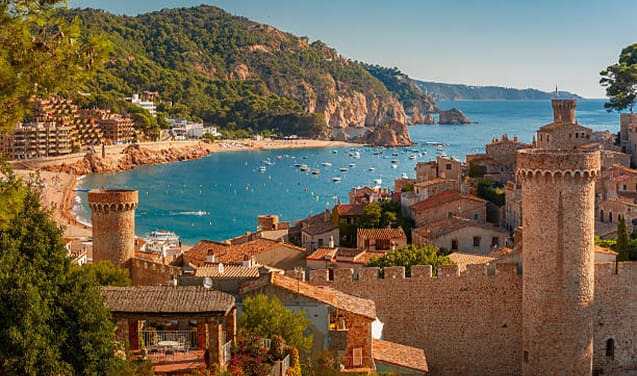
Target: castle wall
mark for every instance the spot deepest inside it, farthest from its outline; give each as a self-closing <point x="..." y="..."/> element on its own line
<point x="463" y="207"/>
<point x="149" y="273"/>
<point x="467" y="325"/>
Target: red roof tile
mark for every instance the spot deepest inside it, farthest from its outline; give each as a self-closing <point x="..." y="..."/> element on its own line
<point x="381" y="233"/>
<point x="399" y="355"/>
<point x="351" y="210"/>
<point x="226" y="253"/>
<point x="444" y="198"/>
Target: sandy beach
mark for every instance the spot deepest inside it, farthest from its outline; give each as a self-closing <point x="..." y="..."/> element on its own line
<point x="57" y="187"/>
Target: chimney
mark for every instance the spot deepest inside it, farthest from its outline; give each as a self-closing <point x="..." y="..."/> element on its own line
<point x="297" y="273"/>
<point x="210" y="259"/>
<point x="331" y="242"/>
<point x="247" y="261"/>
<point x="564" y="110"/>
<point x="220" y="266"/>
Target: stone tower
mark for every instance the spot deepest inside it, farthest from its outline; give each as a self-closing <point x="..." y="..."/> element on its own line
<point x="113" y="218"/>
<point x="558" y="194"/>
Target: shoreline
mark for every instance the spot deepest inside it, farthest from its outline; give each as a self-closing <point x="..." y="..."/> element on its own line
<point x="60" y="176"/>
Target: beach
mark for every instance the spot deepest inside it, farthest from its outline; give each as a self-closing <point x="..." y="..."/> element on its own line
<point x="57" y="183"/>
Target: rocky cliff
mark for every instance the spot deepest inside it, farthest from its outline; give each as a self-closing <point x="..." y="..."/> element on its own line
<point x="453" y="116"/>
<point x="391" y="134"/>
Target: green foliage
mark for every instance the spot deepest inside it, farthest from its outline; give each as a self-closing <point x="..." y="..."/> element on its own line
<point x="408" y="188"/>
<point x="269" y="317"/>
<point x="295" y="361"/>
<point x="248" y="357"/>
<point x="476" y="170"/>
<point x="41" y="55"/>
<point x="620" y="80"/>
<point x="53" y="320"/>
<point x="411" y="255"/>
<point x="621" y="245"/>
<point x="104" y="273"/>
<point x="491" y="191"/>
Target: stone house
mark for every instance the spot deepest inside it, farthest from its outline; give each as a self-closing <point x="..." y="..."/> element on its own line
<point x="340" y="257"/>
<point x="443" y="205"/>
<point x="380" y="239"/>
<point x="461" y="235"/>
<point x="512" y="205"/>
<point x="223" y="277"/>
<point x="628" y="135"/>
<point x="498" y="161"/>
<point x="261" y="251"/>
<point x="564" y="132"/>
<point x="346" y="217"/>
<point x="341" y="323"/>
<point x="368" y="195"/>
<point x="442" y="167"/>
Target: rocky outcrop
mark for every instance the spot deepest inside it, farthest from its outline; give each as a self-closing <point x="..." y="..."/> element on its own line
<point x="392" y="134"/>
<point x="131" y="156"/>
<point x="429" y="119"/>
<point x="453" y="116"/>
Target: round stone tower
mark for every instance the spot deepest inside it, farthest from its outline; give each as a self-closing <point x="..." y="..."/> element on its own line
<point x="113" y="218"/>
<point x="564" y="110"/>
<point x="558" y="194"/>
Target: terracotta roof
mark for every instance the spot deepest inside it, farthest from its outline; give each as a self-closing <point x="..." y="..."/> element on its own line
<point x="381" y="233"/>
<point x="463" y="259"/>
<point x="342" y="254"/>
<point x="433" y="181"/>
<point x="443" y="198"/>
<point x="449" y="225"/>
<point x="553" y="126"/>
<point x="399" y="355"/>
<point x="327" y="295"/>
<point x="316" y="228"/>
<point x="226" y="253"/>
<point x="166" y="299"/>
<point x="228" y="271"/>
<point x="608" y="251"/>
<point x="349" y="209"/>
<point x="322" y="254"/>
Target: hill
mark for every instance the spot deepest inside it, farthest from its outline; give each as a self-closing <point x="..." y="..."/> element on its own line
<point x="446" y="92"/>
<point x="235" y="73"/>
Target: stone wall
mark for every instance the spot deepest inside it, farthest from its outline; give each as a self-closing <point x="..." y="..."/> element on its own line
<point x="149" y="273"/>
<point x="465" y="208"/>
<point x="467" y="325"/>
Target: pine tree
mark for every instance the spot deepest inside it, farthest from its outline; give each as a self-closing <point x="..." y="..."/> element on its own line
<point x="622" y="240"/>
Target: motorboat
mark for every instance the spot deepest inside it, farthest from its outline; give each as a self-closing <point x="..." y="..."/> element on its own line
<point x="336" y="179"/>
<point x="343" y="169"/>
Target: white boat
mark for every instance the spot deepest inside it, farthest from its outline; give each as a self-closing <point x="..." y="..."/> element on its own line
<point x="413" y="156"/>
<point x="395" y="161"/>
<point x="404" y="176"/>
<point x="316" y="172"/>
<point x="336" y="179"/>
<point x="378" y="181"/>
<point x="262" y="169"/>
<point x="355" y="154"/>
<point x="326" y="164"/>
<point x="163" y="235"/>
<point x="371" y="169"/>
<point x="352" y="164"/>
<point x="394" y="166"/>
<point x="334" y="151"/>
<point x="343" y="169"/>
<point x="304" y="168"/>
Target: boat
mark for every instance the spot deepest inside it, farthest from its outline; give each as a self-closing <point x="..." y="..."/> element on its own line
<point x="371" y="169"/>
<point x="378" y="181"/>
<point x="352" y="164"/>
<point x="355" y="154"/>
<point x="316" y="172"/>
<point x="395" y="161"/>
<point x="394" y="166"/>
<point x="297" y="165"/>
<point x="334" y="151"/>
<point x="304" y="168"/>
<point x="262" y="169"/>
<point x="163" y="235"/>
<point x="336" y="179"/>
<point x="413" y="156"/>
<point x="326" y="164"/>
<point x="404" y="176"/>
<point x="343" y="169"/>
<point x="394" y="154"/>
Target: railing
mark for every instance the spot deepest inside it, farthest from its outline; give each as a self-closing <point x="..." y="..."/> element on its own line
<point x="186" y="338"/>
<point x="227" y="347"/>
<point x="280" y="367"/>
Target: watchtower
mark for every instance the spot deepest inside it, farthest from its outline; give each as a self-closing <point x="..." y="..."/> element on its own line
<point x="558" y="194"/>
<point x="113" y="218"/>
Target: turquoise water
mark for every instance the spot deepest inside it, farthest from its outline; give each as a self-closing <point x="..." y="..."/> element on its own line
<point x="220" y="196"/>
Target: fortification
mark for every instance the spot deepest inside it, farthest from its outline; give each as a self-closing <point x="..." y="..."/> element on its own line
<point x="558" y="194"/>
<point x="113" y="218"/>
<point x="564" y="110"/>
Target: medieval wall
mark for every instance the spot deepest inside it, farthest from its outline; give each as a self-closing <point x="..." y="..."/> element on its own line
<point x="149" y="273"/>
<point x="467" y="325"/>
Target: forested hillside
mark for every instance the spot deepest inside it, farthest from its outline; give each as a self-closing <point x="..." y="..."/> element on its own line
<point x="238" y="74"/>
<point x="449" y="92"/>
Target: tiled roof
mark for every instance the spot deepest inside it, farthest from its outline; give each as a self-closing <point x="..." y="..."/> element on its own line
<point x="443" y="198"/>
<point x="463" y="259"/>
<point x="381" y="233"/>
<point x="341" y="254"/>
<point x="316" y="228"/>
<point x="399" y="355"/>
<point x="226" y="253"/>
<point x="433" y="181"/>
<point x="327" y="295"/>
<point x="228" y="271"/>
<point x="166" y="299"/>
<point x="600" y="249"/>
<point x="322" y="253"/>
<point x="349" y="209"/>
<point x="553" y="126"/>
<point x="449" y="225"/>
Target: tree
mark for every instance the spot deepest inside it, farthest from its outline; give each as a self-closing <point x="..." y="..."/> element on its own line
<point x="53" y="320"/>
<point x="411" y="255"/>
<point x="269" y="317"/>
<point x="622" y="244"/>
<point x="372" y="216"/>
<point x="620" y="81"/>
<point x="41" y="55"/>
<point x="104" y="273"/>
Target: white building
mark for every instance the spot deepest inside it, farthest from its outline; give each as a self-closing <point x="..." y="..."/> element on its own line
<point x="145" y="102"/>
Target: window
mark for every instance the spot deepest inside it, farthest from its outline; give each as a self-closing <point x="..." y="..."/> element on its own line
<point x="610" y="348"/>
<point x="448" y="166"/>
<point x="576" y="135"/>
<point x="526" y="356"/>
<point x="476" y="217"/>
<point x="624" y="186"/>
<point x="320" y="242"/>
<point x="476" y="241"/>
<point x="495" y="241"/>
<point x="454" y="244"/>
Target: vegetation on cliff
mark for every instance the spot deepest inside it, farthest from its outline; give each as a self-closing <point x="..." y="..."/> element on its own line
<point x="450" y="92"/>
<point x="620" y="81"/>
<point x="207" y="64"/>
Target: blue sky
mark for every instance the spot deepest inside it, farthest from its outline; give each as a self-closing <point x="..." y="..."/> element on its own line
<point x="514" y="43"/>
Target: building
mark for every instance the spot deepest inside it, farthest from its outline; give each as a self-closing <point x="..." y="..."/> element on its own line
<point x="512" y="205"/>
<point x="36" y="140"/>
<point x="339" y="257"/>
<point x="380" y="239"/>
<point x="445" y="204"/>
<point x="145" y="101"/>
<point x="442" y="167"/>
<point x="461" y="235"/>
<point x="117" y="129"/>
<point x="498" y="161"/>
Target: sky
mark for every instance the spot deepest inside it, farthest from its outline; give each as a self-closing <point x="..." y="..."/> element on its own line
<point x="512" y="43"/>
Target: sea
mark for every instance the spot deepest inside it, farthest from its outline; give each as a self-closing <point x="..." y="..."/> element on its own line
<point x="220" y="196"/>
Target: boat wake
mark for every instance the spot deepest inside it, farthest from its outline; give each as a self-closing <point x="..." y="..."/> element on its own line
<point x="198" y="213"/>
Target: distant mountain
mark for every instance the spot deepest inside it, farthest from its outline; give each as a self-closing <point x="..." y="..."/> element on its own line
<point x="238" y="74"/>
<point x="448" y="92"/>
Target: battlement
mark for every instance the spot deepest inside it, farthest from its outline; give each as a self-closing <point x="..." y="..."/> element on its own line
<point x="564" y="110"/>
<point x="608" y="270"/>
<point x="418" y="273"/>
<point x="537" y="163"/>
<point x="148" y="272"/>
<point x="116" y="200"/>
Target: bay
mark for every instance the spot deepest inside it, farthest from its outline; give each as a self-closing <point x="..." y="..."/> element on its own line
<point x="220" y="196"/>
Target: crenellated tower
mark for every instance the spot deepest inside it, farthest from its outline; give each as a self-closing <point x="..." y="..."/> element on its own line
<point x="113" y="218"/>
<point x="558" y="194"/>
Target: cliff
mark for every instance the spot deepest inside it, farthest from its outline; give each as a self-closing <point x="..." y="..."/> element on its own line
<point x="392" y="134"/>
<point x="236" y="73"/>
<point x="453" y="92"/>
<point x="453" y="116"/>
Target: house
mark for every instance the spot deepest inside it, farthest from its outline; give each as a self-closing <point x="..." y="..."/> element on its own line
<point x="380" y="239"/>
<point x="223" y="277"/>
<point x="317" y="230"/>
<point x="340" y="257"/>
<point x="499" y="160"/>
<point x="442" y="167"/>
<point x="341" y="323"/>
<point x="368" y="195"/>
<point x="461" y="234"/>
<point x="346" y="217"/>
<point x="262" y="251"/>
<point x="464" y="259"/>
<point x="445" y="204"/>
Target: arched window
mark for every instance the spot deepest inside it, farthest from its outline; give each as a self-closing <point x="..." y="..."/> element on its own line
<point x="610" y="348"/>
<point x="610" y="217"/>
<point x="601" y="215"/>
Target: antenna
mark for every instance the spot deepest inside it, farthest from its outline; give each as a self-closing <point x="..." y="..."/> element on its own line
<point x="207" y="282"/>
